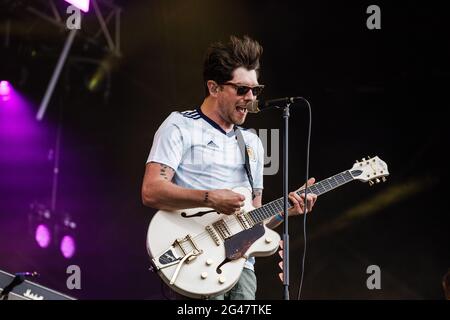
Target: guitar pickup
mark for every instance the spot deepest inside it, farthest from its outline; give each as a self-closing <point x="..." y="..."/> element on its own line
<point x="222" y="229"/>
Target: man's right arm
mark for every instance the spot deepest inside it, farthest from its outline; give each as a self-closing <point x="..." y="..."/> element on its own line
<point x="159" y="192"/>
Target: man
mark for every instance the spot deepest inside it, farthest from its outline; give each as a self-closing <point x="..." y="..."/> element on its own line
<point x="195" y="159"/>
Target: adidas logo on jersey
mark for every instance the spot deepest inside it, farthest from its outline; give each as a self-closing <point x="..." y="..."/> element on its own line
<point x="212" y="144"/>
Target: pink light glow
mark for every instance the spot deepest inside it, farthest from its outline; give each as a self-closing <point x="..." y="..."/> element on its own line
<point x="42" y="236"/>
<point x="5" y="90"/>
<point x="67" y="247"/>
<point x="83" y="5"/>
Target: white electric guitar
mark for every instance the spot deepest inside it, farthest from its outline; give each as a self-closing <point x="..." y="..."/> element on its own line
<point x="200" y="253"/>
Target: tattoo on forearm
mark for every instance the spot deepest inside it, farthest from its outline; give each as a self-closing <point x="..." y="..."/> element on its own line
<point x="164" y="170"/>
<point x="206" y="196"/>
<point x="256" y="193"/>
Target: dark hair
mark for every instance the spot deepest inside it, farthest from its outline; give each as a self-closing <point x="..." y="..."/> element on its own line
<point x="222" y="59"/>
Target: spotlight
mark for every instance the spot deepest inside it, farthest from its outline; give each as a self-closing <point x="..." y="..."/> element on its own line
<point x="40" y="225"/>
<point x="5" y="90"/>
<point x="67" y="247"/>
<point x="66" y="234"/>
<point x="83" y="5"/>
<point x="100" y="78"/>
<point x="42" y="235"/>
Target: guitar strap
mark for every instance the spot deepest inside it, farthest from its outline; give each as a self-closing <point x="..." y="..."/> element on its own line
<point x="244" y="151"/>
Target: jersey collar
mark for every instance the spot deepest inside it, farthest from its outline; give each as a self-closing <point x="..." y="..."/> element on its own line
<point x="214" y="124"/>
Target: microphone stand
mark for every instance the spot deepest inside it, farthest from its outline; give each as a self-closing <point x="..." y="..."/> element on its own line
<point x="284" y="104"/>
<point x="286" y="115"/>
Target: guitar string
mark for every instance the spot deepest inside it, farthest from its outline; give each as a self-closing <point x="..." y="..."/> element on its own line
<point x="232" y="221"/>
<point x="270" y="206"/>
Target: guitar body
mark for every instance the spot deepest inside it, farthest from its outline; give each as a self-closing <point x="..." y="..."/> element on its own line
<point x="200" y="253"/>
<point x="217" y="263"/>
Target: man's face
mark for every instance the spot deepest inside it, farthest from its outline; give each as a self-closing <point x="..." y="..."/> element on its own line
<point x="231" y="105"/>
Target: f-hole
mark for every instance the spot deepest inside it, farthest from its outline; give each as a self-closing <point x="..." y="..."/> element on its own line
<point x="218" y="270"/>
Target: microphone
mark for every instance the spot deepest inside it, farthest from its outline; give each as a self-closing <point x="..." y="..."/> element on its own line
<point x="260" y="105"/>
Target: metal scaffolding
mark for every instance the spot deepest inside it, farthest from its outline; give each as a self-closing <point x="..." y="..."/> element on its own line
<point x="105" y="33"/>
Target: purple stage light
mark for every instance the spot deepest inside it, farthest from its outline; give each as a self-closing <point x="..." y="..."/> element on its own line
<point x="67" y="247"/>
<point x="83" y="5"/>
<point x="42" y="236"/>
<point x="5" y="90"/>
<point x="16" y="120"/>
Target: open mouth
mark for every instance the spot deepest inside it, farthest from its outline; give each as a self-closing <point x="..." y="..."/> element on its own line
<point x="241" y="110"/>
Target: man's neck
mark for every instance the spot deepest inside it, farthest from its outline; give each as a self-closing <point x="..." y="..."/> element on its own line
<point x="211" y="109"/>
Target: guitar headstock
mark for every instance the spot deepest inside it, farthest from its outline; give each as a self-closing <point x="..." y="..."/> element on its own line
<point x="374" y="170"/>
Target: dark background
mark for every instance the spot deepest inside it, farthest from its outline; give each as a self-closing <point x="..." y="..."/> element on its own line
<point x="373" y="92"/>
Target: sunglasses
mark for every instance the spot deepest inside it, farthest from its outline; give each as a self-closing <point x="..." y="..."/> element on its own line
<point x="242" y="90"/>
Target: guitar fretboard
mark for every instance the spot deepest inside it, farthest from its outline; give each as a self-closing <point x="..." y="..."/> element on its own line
<point x="276" y="206"/>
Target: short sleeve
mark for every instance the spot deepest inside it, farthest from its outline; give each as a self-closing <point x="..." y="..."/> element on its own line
<point x="167" y="145"/>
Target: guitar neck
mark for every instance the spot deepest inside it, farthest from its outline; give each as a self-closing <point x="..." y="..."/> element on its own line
<point x="276" y="206"/>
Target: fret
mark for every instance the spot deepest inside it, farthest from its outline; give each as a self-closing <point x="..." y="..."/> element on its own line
<point x="320" y="188"/>
<point x="280" y="205"/>
<point x="313" y="189"/>
<point x="339" y="178"/>
<point x="276" y="206"/>
<point x="262" y="214"/>
<point x="333" y="182"/>
<point x="348" y="176"/>
<point x="327" y="185"/>
<point x="267" y="212"/>
<point x="259" y="214"/>
<point x="255" y="215"/>
<point x="273" y="207"/>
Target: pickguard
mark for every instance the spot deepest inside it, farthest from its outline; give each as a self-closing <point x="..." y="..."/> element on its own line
<point x="237" y="245"/>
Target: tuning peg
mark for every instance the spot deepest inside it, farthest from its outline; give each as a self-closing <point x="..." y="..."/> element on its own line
<point x="363" y="159"/>
<point x="384" y="179"/>
<point x="368" y="158"/>
<point x="371" y="183"/>
<point x="377" y="180"/>
<point x="356" y="161"/>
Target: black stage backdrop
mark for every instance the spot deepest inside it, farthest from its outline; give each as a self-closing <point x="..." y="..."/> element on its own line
<point x="373" y="92"/>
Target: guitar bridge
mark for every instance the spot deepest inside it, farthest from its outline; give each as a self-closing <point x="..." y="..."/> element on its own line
<point x="166" y="259"/>
<point x="187" y="246"/>
<point x="183" y="249"/>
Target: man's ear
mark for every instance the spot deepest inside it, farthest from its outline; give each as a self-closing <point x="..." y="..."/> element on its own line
<point x="213" y="87"/>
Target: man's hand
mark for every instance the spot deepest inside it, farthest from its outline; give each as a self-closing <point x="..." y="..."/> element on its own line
<point x="225" y="201"/>
<point x="299" y="200"/>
